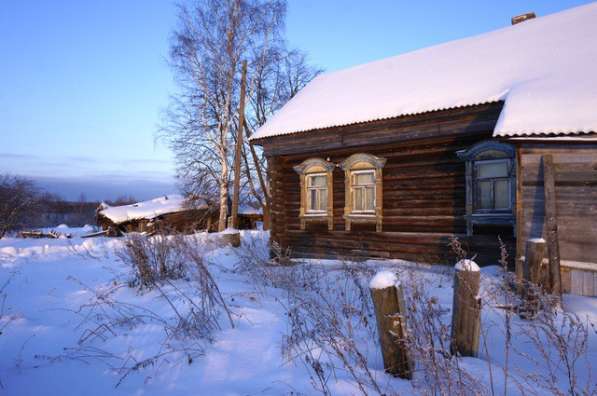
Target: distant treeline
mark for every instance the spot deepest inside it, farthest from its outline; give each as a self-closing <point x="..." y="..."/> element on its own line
<point x="56" y="211"/>
<point x="23" y="206"/>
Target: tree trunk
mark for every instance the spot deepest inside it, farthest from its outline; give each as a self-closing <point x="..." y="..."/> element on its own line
<point x="239" y="146"/>
<point x="223" y="196"/>
<point x="266" y="206"/>
<point x="225" y="125"/>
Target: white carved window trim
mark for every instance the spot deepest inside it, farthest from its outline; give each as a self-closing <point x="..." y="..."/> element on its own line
<point x="316" y="167"/>
<point x="368" y="163"/>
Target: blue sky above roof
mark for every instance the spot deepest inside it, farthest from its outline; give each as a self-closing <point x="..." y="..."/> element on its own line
<point x="82" y="83"/>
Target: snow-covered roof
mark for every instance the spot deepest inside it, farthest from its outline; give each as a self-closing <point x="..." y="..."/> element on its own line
<point x="543" y="69"/>
<point x="144" y="210"/>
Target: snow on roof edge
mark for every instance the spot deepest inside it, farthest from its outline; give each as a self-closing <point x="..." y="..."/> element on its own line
<point x="436" y="110"/>
<point x="506" y="134"/>
<point x="530" y="62"/>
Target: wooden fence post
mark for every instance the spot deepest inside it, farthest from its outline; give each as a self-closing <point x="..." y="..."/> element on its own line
<point x="230" y="237"/>
<point x="466" y="309"/>
<point x="553" y="248"/>
<point x="390" y="313"/>
<point x="534" y="276"/>
<point x="533" y="270"/>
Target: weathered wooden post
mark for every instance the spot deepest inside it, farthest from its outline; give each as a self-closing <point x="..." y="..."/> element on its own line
<point x="534" y="276"/>
<point x="390" y="313"/>
<point x="466" y="309"/>
<point x="230" y="236"/>
<point x="533" y="270"/>
<point x="551" y="222"/>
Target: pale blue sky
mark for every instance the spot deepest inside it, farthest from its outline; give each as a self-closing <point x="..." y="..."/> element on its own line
<point x="82" y="82"/>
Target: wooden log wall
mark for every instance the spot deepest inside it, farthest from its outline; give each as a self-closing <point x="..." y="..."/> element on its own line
<point x="278" y="228"/>
<point x="423" y="188"/>
<point x="575" y="166"/>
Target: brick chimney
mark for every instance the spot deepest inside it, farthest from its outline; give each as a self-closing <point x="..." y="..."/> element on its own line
<point x="523" y="17"/>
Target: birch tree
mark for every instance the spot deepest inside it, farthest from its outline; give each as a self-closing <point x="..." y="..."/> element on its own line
<point x="278" y="75"/>
<point x="208" y="45"/>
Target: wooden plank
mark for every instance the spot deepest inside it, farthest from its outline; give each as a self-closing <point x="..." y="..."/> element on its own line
<point x="566" y="280"/>
<point x="587" y="284"/>
<point x="518" y="264"/>
<point x="576" y="282"/>
<point x="553" y="248"/>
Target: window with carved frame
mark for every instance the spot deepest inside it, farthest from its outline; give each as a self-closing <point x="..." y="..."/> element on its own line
<point x="316" y="191"/>
<point x="490" y="184"/>
<point x="363" y="190"/>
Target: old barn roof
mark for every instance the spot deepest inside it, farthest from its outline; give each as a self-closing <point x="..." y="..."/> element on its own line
<point x="543" y="69"/>
<point x="144" y="210"/>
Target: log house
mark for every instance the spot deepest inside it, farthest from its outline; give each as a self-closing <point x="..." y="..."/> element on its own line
<point x="393" y="159"/>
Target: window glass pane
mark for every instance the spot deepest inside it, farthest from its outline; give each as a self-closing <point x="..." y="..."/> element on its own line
<point x="502" y="194"/>
<point x="323" y="199"/>
<point x="312" y="200"/>
<point x="484" y="196"/>
<point x="492" y="169"/>
<point x="357" y="199"/>
<point x="369" y="199"/>
<point x="364" y="178"/>
<point x="319" y="181"/>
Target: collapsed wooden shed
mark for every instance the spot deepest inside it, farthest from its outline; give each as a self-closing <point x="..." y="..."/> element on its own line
<point x="163" y="214"/>
<point x="170" y="213"/>
<point x="395" y="158"/>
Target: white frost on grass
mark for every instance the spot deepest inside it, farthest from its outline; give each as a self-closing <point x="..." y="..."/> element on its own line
<point x="383" y="279"/>
<point x="467" y="265"/>
<point x="50" y="279"/>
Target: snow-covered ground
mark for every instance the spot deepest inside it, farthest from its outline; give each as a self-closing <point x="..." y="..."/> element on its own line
<point x="49" y="346"/>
